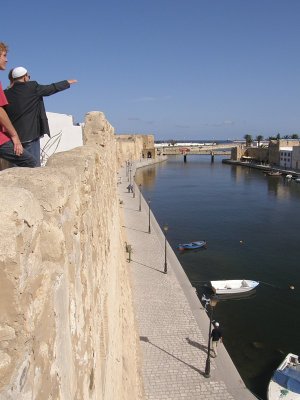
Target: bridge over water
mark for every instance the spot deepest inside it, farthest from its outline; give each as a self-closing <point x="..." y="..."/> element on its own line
<point x="213" y="150"/>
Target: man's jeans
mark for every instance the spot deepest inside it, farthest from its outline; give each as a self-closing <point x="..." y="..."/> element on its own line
<point x="24" y="160"/>
<point x="34" y="149"/>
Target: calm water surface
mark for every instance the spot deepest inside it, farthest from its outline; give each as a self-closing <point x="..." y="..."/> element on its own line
<point x="225" y="205"/>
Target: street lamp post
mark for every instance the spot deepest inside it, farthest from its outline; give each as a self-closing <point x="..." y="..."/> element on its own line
<point x="130" y="176"/>
<point x="213" y="303"/>
<point x="140" y="197"/>
<point x="165" y="228"/>
<point x="149" y="225"/>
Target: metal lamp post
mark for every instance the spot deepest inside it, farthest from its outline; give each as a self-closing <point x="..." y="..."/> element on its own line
<point x="165" y="228"/>
<point x="149" y="226"/>
<point x="213" y="303"/>
<point x="130" y="176"/>
<point x="140" y="197"/>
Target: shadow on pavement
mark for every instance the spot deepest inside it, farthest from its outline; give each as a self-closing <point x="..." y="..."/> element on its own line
<point x="147" y="266"/>
<point x="197" y="345"/>
<point x="133" y="229"/>
<point x="146" y="340"/>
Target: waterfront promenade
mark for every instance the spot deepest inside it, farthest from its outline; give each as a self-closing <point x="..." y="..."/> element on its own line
<point x="172" y="324"/>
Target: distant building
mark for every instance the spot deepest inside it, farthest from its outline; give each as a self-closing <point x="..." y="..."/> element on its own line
<point x="64" y="135"/>
<point x="285" y="157"/>
<point x="276" y="145"/>
<point x="284" y="153"/>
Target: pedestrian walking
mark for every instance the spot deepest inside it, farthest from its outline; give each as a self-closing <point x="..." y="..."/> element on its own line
<point x="216" y="337"/>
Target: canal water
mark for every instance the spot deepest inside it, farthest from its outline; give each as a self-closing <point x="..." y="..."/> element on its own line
<point x="252" y="225"/>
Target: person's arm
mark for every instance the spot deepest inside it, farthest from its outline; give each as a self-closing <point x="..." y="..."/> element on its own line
<point x="5" y="121"/>
<point x="48" y="90"/>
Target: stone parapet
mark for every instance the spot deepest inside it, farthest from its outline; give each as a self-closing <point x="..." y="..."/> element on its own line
<point x="67" y="327"/>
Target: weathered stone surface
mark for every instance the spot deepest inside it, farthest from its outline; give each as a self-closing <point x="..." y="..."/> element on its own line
<point x="65" y="296"/>
<point x="6" y="332"/>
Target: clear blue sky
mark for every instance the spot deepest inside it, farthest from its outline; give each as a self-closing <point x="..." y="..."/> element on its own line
<point x="196" y="69"/>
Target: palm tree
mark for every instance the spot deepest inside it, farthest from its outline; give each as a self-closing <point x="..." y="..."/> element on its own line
<point x="259" y="138"/>
<point x="248" y="139"/>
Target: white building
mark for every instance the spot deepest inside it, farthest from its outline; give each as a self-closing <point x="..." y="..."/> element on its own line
<point x="64" y="135"/>
<point x="285" y="157"/>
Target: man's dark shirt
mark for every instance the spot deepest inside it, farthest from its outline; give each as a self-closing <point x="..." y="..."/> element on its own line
<point x="216" y="334"/>
<point x="26" y="107"/>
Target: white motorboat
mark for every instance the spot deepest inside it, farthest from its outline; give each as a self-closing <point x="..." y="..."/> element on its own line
<point x="285" y="382"/>
<point x="233" y="286"/>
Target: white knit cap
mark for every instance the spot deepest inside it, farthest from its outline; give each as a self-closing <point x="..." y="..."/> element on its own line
<point x="18" y="72"/>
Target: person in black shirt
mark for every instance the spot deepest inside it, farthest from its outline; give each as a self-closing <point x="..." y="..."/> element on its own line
<point x="26" y="108"/>
<point x="216" y="337"/>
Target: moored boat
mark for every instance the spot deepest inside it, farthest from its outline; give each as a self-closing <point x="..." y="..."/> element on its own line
<point x="274" y="173"/>
<point x="193" y="245"/>
<point x="285" y="382"/>
<point x="233" y="286"/>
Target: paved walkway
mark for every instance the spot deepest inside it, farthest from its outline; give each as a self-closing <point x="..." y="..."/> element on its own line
<point x="173" y="327"/>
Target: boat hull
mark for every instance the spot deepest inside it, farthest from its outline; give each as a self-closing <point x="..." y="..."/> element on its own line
<point x="285" y="383"/>
<point x="192" y="245"/>
<point x="233" y="286"/>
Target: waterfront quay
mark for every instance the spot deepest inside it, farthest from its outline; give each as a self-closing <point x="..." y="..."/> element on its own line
<point x="262" y="167"/>
<point x="172" y="324"/>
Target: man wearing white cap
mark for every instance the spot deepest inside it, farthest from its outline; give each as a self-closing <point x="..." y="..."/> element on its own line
<point x="11" y="148"/>
<point x="216" y="336"/>
<point x="26" y="108"/>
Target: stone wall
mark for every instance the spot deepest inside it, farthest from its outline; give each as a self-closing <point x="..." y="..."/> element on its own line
<point x="296" y="158"/>
<point x="129" y="147"/>
<point x="67" y="326"/>
<point x="259" y="154"/>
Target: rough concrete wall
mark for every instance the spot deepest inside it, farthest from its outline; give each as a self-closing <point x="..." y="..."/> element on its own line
<point x="66" y="320"/>
<point x="258" y="153"/>
<point x="129" y="148"/>
<point x="237" y="152"/>
<point x="296" y="157"/>
<point x="274" y="152"/>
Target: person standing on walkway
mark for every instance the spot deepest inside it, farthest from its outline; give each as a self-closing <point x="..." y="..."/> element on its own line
<point x="26" y="108"/>
<point x="216" y="337"/>
<point x="11" y="148"/>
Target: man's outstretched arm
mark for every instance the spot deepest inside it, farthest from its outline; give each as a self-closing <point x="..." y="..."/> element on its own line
<point x="5" y="121"/>
<point x="48" y="90"/>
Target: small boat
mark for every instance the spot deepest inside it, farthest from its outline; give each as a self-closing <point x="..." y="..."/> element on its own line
<point x="233" y="286"/>
<point x="274" y="173"/>
<point x="285" y="382"/>
<point x="289" y="176"/>
<point x="297" y="180"/>
<point x="192" y="245"/>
